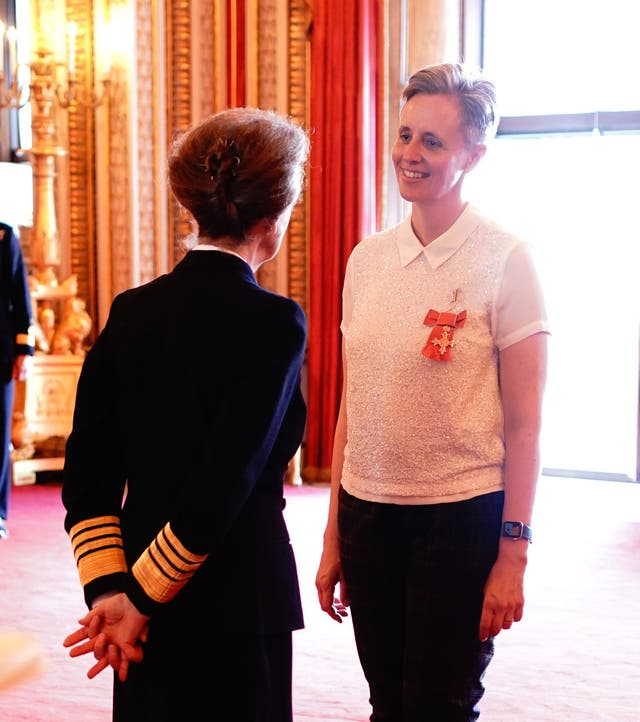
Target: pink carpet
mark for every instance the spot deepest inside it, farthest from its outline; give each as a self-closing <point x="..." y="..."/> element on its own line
<point x="575" y="656"/>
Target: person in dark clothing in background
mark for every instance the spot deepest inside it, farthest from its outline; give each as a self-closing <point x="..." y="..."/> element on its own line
<point x="16" y="349"/>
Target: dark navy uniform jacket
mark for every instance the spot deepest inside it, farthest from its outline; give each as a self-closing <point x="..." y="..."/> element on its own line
<point x="188" y="411"/>
<point x="15" y="301"/>
<point x="15" y="340"/>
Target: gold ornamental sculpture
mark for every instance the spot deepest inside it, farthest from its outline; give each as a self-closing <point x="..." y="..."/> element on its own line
<point x="44" y="403"/>
<point x="62" y="323"/>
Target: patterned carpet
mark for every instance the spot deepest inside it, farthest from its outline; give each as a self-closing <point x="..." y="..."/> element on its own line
<point x="574" y="657"/>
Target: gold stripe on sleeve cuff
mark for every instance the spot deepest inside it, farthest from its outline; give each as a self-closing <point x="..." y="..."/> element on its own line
<point x="25" y="339"/>
<point x="97" y="548"/>
<point x="166" y="566"/>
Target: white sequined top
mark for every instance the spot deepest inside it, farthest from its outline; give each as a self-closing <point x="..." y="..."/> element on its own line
<point x="419" y="430"/>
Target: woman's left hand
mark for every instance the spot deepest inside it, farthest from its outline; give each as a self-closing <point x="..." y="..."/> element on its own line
<point x="503" y="594"/>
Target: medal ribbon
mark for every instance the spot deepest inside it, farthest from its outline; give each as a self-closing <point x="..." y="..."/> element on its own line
<point x="440" y="341"/>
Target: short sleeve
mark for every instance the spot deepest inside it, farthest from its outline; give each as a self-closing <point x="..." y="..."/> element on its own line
<point x="520" y="310"/>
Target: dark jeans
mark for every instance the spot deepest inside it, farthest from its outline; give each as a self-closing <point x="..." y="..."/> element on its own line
<point x="415" y="577"/>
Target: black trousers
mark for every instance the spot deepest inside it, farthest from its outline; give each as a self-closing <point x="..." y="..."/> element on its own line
<point x="415" y="577"/>
<point x="6" y="411"/>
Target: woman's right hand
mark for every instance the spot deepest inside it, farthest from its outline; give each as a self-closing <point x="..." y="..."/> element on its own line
<point x="328" y="576"/>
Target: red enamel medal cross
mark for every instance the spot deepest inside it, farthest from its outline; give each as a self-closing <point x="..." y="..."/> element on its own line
<point x="440" y="341"/>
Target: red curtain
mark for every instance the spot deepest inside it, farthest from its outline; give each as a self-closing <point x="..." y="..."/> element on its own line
<point x="236" y="53"/>
<point x="345" y="180"/>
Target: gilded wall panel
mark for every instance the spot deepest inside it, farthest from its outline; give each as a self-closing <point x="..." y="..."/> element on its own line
<point x="273" y="275"/>
<point x="282" y="85"/>
<point x="178" y="26"/>
<point x="120" y="231"/>
<point x="299" y="22"/>
<point x="203" y="58"/>
<point x="145" y="211"/>
<point x="267" y="54"/>
<point x="78" y="229"/>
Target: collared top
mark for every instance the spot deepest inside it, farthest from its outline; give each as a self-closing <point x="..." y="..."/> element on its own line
<point x="421" y="430"/>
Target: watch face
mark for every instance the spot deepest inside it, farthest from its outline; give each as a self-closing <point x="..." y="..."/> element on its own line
<point x="513" y="528"/>
<point x="516" y="530"/>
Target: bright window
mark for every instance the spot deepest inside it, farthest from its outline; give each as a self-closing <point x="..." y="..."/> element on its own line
<point x="575" y="199"/>
<point x="563" y="56"/>
<point x="566" y="66"/>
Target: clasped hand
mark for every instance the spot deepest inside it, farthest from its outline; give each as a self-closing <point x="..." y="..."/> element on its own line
<point x="114" y="630"/>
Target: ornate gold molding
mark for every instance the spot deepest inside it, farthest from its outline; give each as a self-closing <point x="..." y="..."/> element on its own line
<point x="266" y="54"/>
<point x="273" y="275"/>
<point x="119" y="184"/>
<point x="81" y="221"/>
<point x="178" y="33"/>
<point x="145" y="141"/>
<point x="298" y="109"/>
<point x="206" y="77"/>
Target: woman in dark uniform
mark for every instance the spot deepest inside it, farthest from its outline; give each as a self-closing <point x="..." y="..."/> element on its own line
<point x="188" y="411"/>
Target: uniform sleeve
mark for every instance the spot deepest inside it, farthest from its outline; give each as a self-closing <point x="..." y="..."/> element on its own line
<point x="519" y="310"/>
<point x="94" y="476"/>
<point x="21" y="310"/>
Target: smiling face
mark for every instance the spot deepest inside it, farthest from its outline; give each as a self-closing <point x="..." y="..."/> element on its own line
<point x="430" y="154"/>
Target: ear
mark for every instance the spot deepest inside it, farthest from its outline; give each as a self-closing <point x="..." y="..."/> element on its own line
<point x="269" y="224"/>
<point x="475" y="155"/>
<point x="263" y="227"/>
